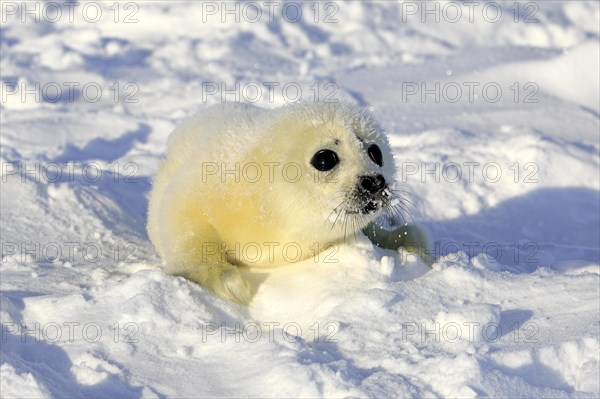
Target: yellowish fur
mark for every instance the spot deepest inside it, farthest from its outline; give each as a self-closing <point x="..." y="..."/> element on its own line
<point x="207" y="203"/>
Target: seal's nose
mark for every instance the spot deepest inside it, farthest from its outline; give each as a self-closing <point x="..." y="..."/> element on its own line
<point x="372" y="184"/>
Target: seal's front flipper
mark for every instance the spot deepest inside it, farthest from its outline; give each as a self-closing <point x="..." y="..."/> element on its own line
<point x="412" y="237"/>
<point x="194" y="250"/>
<point x="223" y="279"/>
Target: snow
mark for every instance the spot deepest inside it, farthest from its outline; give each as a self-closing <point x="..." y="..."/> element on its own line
<point x="511" y="308"/>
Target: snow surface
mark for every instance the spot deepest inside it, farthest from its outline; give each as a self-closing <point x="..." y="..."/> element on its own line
<point x="512" y="307"/>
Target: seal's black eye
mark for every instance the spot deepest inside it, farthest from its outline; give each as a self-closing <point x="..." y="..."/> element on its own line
<point x="324" y="160"/>
<point x="375" y="154"/>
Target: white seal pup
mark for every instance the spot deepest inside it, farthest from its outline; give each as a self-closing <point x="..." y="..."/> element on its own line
<point x="246" y="186"/>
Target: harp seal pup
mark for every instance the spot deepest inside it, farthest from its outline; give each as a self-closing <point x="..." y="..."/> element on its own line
<point x="246" y="186"/>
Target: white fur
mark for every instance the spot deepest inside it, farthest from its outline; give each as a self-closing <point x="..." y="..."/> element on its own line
<point x="193" y="211"/>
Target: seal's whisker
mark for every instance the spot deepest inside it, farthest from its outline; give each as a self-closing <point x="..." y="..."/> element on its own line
<point x="408" y="193"/>
<point x="342" y="211"/>
<point x="338" y="215"/>
<point x="361" y="222"/>
<point x="405" y="200"/>
<point x="403" y="194"/>
<point x="345" y="226"/>
<point x="402" y="212"/>
<point x="409" y="209"/>
<point x="354" y="226"/>
<point x="400" y="202"/>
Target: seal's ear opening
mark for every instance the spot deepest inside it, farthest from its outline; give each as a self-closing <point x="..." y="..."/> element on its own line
<point x="411" y="237"/>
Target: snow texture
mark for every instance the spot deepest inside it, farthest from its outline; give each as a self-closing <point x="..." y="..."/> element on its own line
<point x="511" y="308"/>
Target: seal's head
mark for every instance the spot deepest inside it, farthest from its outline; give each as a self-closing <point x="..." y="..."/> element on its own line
<point x="342" y="165"/>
